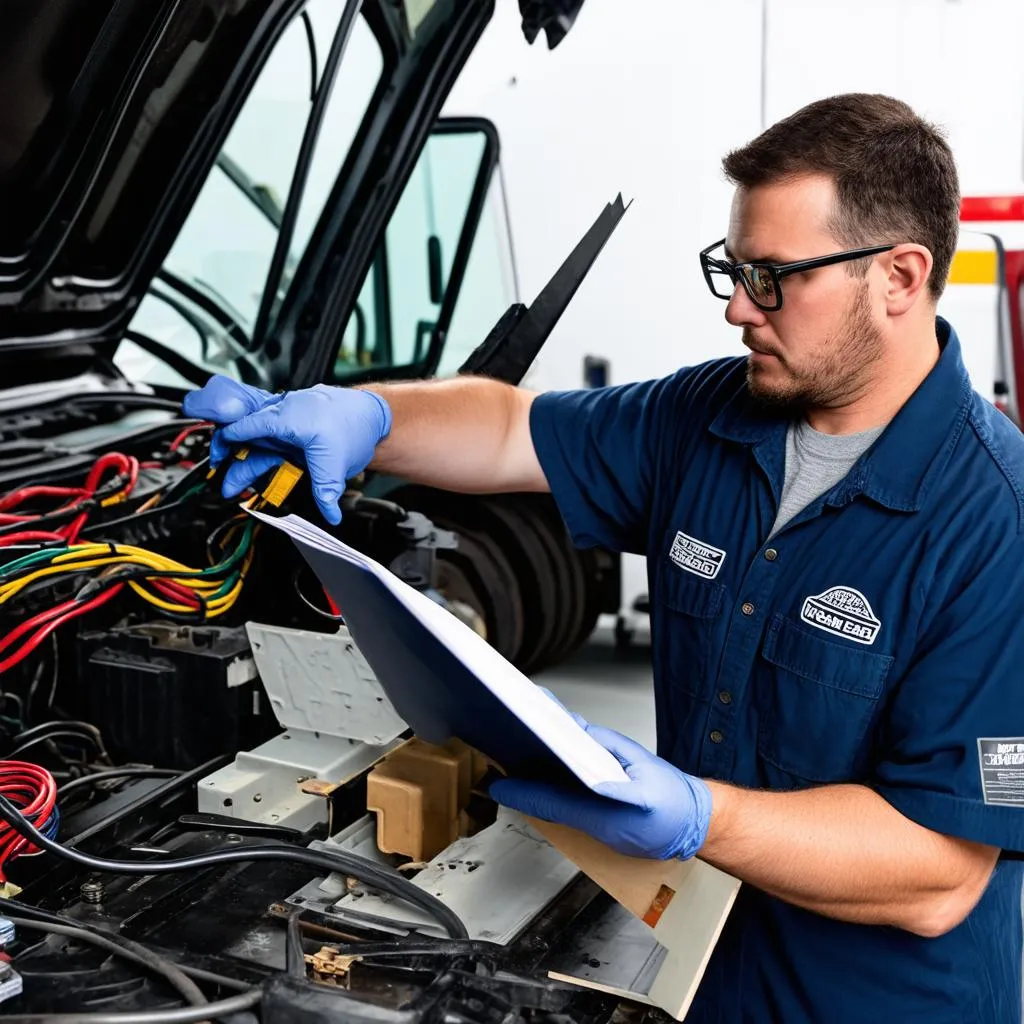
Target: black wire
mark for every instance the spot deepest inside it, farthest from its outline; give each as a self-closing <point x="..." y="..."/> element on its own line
<point x="27" y="710"/>
<point x="126" y="948"/>
<point x="56" y="734"/>
<point x="295" y="960"/>
<point x="116" y="773"/>
<point x="366" y="871"/>
<point x="13" y="908"/>
<point x="309" y="604"/>
<point x="186" y="1015"/>
<point x="57" y="729"/>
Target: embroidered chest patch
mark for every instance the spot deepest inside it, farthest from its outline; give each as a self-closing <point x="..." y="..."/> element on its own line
<point x="695" y="556"/>
<point x="844" y="612"/>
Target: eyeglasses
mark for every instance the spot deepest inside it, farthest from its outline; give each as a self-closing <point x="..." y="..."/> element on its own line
<point x="763" y="281"/>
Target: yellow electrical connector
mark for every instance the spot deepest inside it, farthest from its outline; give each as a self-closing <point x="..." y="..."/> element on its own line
<point x="281" y="484"/>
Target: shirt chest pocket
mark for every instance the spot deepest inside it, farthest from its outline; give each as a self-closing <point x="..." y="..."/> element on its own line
<point x="689" y="610"/>
<point x="817" y="700"/>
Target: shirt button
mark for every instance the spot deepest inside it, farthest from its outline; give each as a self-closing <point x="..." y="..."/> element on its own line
<point x="747" y="609"/>
<point x="717" y="737"/>
<point x="725" y="697"/>
<point x="771" y="554"/>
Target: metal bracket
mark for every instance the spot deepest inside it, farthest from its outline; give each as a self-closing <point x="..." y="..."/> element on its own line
<point x="337" y="719"/>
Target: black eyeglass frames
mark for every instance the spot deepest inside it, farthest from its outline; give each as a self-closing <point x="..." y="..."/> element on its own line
<point x="763" y="281"/>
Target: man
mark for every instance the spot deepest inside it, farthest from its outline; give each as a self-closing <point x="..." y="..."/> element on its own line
<point x="833" y="528"/>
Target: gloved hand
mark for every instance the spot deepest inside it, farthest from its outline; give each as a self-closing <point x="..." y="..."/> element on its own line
<point x="332" y="431"/>
<point x="660" y="813"/>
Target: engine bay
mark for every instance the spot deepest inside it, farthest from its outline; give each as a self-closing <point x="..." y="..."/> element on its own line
<point x="187" y="832"/>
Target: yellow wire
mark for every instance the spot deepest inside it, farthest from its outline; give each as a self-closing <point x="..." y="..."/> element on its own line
<point x="213" y="608"/>
<point x="79" y="558"/>
<point x="142" y="558"/>
<point x="216" y="607"/>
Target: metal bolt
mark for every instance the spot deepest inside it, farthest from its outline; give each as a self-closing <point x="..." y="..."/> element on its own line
<point x="92" y="892"/>
<point x="257" y="797"/>
<point x="234" y="837"/>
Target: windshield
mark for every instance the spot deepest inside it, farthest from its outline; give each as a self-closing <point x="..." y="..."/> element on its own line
<point x="218" y="265"/>
<point x="449" y="227"/>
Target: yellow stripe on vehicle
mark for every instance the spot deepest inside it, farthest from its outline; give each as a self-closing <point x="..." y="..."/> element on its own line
<point x="974" y="267"/>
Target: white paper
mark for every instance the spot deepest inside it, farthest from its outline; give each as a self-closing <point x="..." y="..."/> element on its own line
<point x="583" y="755"/>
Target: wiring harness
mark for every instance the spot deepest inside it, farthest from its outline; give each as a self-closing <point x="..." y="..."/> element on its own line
<point x="63" y="549"/>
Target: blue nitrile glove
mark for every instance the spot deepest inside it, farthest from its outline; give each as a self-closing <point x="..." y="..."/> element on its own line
<point x="333" y="431"/>
<point x="659" y="814"/>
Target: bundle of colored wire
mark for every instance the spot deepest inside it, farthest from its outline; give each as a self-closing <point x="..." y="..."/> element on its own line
<point x="33" y="791"/>
<point x="77" y="502"/>
<point x="199" y="594"/>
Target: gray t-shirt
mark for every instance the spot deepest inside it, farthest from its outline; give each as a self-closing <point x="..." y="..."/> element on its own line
<point x="815" y="463"/>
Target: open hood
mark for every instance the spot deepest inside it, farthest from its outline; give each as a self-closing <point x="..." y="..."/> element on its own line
<point x="113" y="112"/>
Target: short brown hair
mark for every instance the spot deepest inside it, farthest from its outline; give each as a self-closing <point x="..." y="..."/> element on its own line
<point x="894" y="173"/>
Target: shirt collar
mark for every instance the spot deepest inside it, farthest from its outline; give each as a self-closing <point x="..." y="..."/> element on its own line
<point x="900" y="467"/>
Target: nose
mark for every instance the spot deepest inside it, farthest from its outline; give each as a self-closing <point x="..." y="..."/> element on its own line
<point x="741" y="310"/>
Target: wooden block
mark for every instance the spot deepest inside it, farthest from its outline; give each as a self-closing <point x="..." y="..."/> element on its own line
<point x="686" y="903"/>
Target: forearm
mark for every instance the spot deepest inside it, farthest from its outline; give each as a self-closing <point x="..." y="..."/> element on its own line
<point x="844" y="852"/>
<point x="469" y="434"/>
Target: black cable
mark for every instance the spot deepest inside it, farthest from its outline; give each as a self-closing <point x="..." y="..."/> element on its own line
<point x="87" y="729"/>
<point x="295" y="960"/>
<point x="12" y="908"/>
<point x="186" y="1015"/>
<point x="55" y="734"/>
<point x="366" y="871"/>
<point x="116" y="773"/>
<point x="309" y="604"/>
<point x="126" y="948"/>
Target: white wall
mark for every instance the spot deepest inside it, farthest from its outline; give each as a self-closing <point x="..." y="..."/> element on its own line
<point x="613" y="109"/>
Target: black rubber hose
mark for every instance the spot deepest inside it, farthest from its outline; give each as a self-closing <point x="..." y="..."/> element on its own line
<point x="358" y="867"/>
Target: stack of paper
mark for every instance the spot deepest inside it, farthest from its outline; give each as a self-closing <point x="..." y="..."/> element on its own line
<point x="444" y="679"/>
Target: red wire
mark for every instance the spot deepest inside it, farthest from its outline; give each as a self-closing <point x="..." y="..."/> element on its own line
<point x="28" y="493"/>
<point x="33" y="790"/>
<point x="28" y="535"/>
<point x="37" y="620"/>
<point x="187" y="432"/>
<point x="125" y="465"/>
<point x="175" y="591"/>
<point x="54" y="621"/>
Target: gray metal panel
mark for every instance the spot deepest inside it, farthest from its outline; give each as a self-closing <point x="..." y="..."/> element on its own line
<point x="320" y="682"/>
<point x="496" y="881"/>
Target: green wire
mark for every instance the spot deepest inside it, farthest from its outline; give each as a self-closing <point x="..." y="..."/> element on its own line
<point x="29" y="561"/>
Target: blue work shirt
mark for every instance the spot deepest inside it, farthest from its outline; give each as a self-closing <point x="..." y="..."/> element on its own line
<point x="876" y="639"/>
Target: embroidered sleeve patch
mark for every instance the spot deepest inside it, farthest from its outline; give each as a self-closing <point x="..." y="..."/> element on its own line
<point x="1002" y="771"/>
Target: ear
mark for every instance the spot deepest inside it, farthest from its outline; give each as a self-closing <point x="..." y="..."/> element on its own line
<point x="908" y="269"/>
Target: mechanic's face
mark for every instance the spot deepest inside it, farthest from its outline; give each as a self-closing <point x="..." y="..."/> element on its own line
<point x="819" y="349"/>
